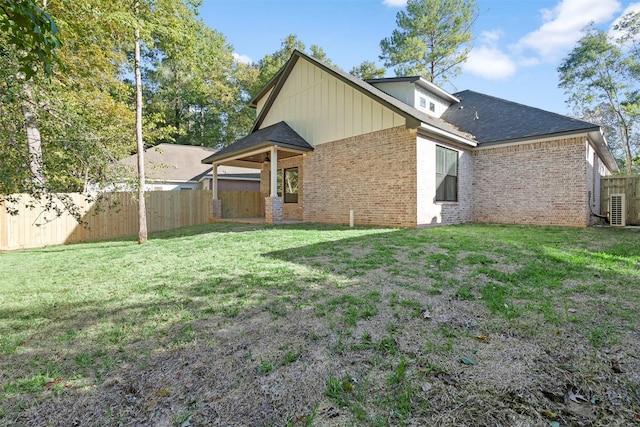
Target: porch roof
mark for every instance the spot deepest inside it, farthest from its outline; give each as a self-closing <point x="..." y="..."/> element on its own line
<point x="255" y="146"/>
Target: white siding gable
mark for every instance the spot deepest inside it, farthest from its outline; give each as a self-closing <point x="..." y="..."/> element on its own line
<point x="322" y="108"/>
<point x="439" y="105"/>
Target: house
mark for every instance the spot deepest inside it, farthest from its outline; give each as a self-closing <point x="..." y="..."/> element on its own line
<point x="179" y="167"/>
<point x="403" y="152"/>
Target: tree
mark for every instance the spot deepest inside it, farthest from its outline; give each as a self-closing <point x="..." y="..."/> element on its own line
<point x="80" y="112"/>
<point x="368" y="70"/>
<point x="433" y="39"/>
<point x="192" y="84"/>
<point x="601" y="74"/>
<point x="32" y="31"/>
<point x="270" y="64"/>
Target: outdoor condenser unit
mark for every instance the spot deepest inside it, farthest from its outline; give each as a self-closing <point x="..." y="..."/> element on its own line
<point x="617" y="210"/>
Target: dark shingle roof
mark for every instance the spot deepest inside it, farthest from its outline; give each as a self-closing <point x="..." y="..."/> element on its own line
<point x="494" y="120"/>
<point x="279" y="134"/>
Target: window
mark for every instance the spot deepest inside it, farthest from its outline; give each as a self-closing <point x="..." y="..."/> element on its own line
<point x="423" y="102"/>
<point x="291" y="185"/>
<point x="446" y="175"/>
<point x="432" y="107"/>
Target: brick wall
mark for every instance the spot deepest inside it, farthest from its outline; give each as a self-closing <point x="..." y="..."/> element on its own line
<point x="374" y="174"/>
<point x="537" y="183"/>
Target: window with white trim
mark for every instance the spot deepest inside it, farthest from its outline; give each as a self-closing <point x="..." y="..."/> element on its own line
<point x="446" y="175"/>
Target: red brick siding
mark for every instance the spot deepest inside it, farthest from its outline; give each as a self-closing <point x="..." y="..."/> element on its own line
<point x="374" y="174"/>
<point x="537" y="183"/>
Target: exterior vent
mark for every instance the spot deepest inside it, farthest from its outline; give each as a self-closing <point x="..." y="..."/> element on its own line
<point x="617" y="210"/>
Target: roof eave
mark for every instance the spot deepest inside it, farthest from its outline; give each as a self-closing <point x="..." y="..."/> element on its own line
<point x="594" y="135"/>
<point x="426" y="128"/>
<point x="260" y="147"/>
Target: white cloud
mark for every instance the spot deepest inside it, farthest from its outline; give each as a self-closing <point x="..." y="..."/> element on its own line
<point x="489" y="62"/>
<point x="394" y="3"/>
<point x="243" y="59"/>
<point x="562" y="26"/>
<point x="490" y="37"/>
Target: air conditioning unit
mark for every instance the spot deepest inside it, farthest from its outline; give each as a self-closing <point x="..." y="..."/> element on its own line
<point x="617" y="210"/>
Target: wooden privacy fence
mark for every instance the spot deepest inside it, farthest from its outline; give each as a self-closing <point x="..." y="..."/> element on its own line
<point x="241" y="204"/>
<point x="627" y="185"/>
<point x="113" y="215"/>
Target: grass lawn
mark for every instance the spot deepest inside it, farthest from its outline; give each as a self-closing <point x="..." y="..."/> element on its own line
<point x="230" y="324"/>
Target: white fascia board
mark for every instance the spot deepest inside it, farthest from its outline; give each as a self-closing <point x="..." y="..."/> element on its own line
<point x="430" y="87"/>
<point x="434" y="130"/>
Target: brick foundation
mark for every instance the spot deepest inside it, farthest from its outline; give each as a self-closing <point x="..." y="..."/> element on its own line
<point x="217" y="209"/>
<point x="272" y="210"/>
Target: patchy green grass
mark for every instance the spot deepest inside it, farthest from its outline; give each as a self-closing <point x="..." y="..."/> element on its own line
<point x="312" y="325"/>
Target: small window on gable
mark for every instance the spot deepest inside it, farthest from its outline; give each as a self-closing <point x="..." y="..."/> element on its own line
<point x="423" y="102"/>
<point x="446" y="175"/>
<point x="432" y="107"/>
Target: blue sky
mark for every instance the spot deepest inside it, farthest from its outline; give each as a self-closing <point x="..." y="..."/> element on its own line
<point x="518" y="44"/>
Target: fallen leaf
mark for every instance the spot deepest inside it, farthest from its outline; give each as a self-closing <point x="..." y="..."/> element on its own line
<point x="615" y="367"/>
<point x="448" y="380"/>
<point x="577" y="397"/>
<point x="549" y="414"/>
<point x="163" y="393"/>
<point x="52" y="384"/>
<point x="346" y="386"/>
<point x="468" y="361"/>
<point x="482" y="337"/>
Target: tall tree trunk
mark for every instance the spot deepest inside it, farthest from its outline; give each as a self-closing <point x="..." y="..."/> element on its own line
<point x="34" y="141"/>
<point x="142" y="209"/>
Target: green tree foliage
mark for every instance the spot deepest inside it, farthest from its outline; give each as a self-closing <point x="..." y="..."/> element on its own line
<point x="601" y="78"/>
<point x="81" y="112"/>
<point x="29" y="29"/>
<point x="192" y="84"/>
<point x="432" y="40"/>
<point x="368" y="70"/>
<point x="270" y="64"/>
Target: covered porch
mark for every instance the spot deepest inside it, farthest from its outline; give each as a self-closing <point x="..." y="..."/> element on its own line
<point x="269" y="150"/>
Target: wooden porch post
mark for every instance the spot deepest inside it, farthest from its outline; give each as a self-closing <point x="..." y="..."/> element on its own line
<point x="216" y="204"/>
<point x="273" y="203"/>
<point x="274" y="172"/>
<point x="214" y="182"/>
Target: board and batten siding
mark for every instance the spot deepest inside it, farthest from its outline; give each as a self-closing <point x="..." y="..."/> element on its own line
<point x="263" y="100"/>
<point x="322" y="108"/>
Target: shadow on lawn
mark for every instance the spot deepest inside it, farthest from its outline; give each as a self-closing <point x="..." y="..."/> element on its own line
<point x="161" y="325"/>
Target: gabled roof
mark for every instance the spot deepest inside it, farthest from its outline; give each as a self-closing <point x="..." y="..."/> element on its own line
<point x="280" y="135"/>
<point x="175" y="162"/>
<point x="414" y="117"/>
<point x="494" y="121"/>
